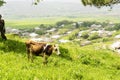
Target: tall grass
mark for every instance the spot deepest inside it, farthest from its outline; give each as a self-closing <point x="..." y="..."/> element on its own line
<point x="75" y="63"/>
<point x="90" y="62"/>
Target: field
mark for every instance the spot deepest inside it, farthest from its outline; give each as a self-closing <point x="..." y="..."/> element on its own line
<point x="33" y="22"/>
<point x="91" y="62"/>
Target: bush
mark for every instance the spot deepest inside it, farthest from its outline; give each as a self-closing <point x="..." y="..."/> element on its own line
<point x="116" y="27"/>
<point x="65" y="53"/>
<point x="40" y="32"/>
<point x="88" y="23"/>
<point x="105" y="39"/>
<point x="93" y="36"/>
<point x="71" y="37"/>
<point x="66" y="22"/>
<point x="85" y="35"/>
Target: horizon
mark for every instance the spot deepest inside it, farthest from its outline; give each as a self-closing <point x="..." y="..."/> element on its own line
<point x="51" y="8"/>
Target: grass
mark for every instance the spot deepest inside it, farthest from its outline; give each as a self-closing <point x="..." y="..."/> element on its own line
<point x="75" y="63"/>
<point x="90" y="62"/>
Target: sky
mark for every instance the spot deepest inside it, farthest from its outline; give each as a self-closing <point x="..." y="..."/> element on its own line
<point x="44" y="0"/>
<point x="52" y="7"/>
<point x="48" y="0"/>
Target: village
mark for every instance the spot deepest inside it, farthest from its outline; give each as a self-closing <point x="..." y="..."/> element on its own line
<point x="68" y="31"/>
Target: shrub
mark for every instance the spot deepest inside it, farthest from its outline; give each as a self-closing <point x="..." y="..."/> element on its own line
<point x="66" y="22"/>
<point x="65" y="53"/>
<point x="88" y="23"/>
<point x="72" y="37"/>
<point x="105" y="39"/>
<point x="93" y="36"/>
<point x="116" y="27"/>
<point x="40" y="32"/>
<point x="85" y="35"/>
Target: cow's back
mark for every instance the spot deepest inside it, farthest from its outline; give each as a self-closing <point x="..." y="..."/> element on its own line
<point x="35" y="47"/>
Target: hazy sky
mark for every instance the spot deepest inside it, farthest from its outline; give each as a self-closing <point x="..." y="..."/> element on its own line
<point x="45" y="8"/>
<point x="44" y="0"/>
<point x="48" y="0"/>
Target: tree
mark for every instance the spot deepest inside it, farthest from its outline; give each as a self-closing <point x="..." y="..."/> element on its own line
<point x="1" y="2"/>
<point x="100" y="3"/>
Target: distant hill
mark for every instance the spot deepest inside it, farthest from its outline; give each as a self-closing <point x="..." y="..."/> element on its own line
<point x="24" y="9"/>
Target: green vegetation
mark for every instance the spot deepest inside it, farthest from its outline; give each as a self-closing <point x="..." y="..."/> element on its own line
<point x="2" y="2"/>
<point x="91" y="62"/>
<point x="100" y="3"/>
<point x="85" y="35"/>
<point x="76" y="62"/>
<point x="115" y="27"/>
<point x="30" y="23"/>
<point x="94" y="36"/>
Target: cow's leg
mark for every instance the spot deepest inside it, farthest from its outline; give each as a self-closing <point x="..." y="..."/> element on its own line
<point x="45" y="59"/>
<point x="31" y="55"/>
<point x="28" y="53"/>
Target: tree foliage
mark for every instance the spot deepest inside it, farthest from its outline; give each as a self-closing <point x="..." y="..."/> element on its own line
<point x="100" y="3"/>
<point x="1" y="3"/>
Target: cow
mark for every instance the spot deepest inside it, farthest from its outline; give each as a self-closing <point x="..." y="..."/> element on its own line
<point x="40" y="49"/>
<point x="2" y="28"/>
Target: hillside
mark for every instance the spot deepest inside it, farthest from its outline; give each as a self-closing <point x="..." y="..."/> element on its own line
<point x="75" y="62"/>
<point x="93" y="61"/>
<point x="84" y="36"/>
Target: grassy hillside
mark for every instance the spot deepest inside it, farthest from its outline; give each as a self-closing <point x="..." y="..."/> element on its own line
<point x="91" y="62"/>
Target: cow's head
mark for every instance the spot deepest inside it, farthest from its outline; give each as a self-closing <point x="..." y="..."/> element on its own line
<point x="56" y="49"/>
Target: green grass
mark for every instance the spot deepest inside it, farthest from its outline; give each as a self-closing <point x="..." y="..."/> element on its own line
<point x="90" y="62"/>
<point x="75" y="63"/>
<point x="30" y="23"/>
